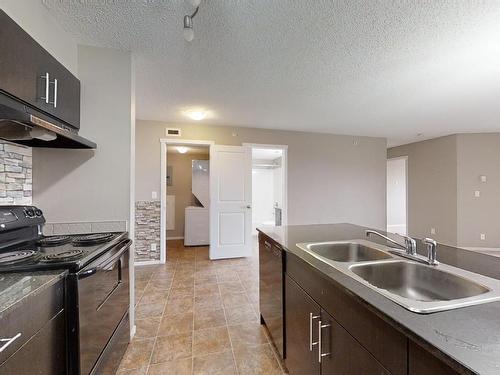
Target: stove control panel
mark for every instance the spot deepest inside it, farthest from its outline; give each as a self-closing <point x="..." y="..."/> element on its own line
<point x="15" y="217"/>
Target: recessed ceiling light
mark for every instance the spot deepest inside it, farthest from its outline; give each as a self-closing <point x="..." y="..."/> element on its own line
<point x="182" y="149"/>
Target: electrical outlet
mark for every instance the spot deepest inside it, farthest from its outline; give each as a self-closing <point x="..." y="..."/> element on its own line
<point x="433" y="230"/>
<point x="477" y="193"/>
<point x="483" y="236"/>
<point x="483" y="178"/>
<point x="153" y="247"/>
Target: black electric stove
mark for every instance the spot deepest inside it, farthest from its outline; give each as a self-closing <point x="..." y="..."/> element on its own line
<point x="71" y="252"/>
<point x="97" y="283"/>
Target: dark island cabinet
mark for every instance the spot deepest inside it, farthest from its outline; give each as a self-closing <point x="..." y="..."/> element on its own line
<point x="302" y="316"/>
<point x="421" y="362"/>
<point x="29" y="73"/>
<point x="317" y="344"/>
<point x="355" y="340"/>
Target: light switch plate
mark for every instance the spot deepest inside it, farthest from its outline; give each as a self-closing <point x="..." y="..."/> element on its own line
<point x="483" y="178"/>
<point x="483" y="236"/>
<point x="433" y="230"/>
<point x="477" y="193"/>
<point x="154" y="195"/>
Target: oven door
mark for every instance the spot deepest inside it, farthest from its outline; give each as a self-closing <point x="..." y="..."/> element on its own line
<point x="103" y="299"/>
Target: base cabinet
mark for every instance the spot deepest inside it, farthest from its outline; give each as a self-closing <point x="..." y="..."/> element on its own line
<point x="302" y="316"/>
<point x="317" y="344"/>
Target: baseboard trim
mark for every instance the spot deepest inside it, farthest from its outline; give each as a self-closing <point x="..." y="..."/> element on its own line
<point x="146" y="263"/>
<point x="175" y="238"/>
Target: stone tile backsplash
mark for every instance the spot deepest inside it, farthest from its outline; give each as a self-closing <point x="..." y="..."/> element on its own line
<point x="147" y="230"/>
<point x="16" y="178"/>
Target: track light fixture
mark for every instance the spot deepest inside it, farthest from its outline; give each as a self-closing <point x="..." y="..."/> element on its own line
<point x="188" y="31"/>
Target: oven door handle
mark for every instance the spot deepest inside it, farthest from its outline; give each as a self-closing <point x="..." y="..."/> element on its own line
<point x="87" y="273"/>
<point x="118" y="255"/>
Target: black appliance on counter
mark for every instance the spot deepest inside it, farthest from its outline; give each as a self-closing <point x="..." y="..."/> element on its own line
<point x="97" y="284"/>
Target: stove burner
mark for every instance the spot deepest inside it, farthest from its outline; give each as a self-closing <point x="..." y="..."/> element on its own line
<point x="62" y="256"/>
<point x="16" y="256"/>
<point x="54" y="240"/>
<point x="91" y="239"/>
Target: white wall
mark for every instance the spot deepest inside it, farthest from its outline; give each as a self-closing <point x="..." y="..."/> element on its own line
<point x="36" y="20"/>
<point x="262" y="196"/>
<point x="396" y="195"/>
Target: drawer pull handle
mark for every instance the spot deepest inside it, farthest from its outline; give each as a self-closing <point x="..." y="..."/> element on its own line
<point x="8" y="342"/>
<point x="311" y="343"/>
<point x="320" y="327"/>
<point x="267" y="244"/>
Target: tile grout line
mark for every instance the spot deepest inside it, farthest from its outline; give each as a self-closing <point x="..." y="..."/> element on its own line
<point x="227" y="326"/>
<point x="161" y="318"/>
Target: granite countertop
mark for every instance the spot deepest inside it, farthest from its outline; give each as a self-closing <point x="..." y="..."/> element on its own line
<point x="467" y="338"/>
<point x="15" y="288"/>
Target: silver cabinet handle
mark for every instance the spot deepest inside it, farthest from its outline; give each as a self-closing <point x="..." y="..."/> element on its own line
<point x="55" y="93"/>
<point x="47" y="84"/>
<point x="267" y="244"/>
<point x="9" y="341"/>
<point x="320" y="327"/>
<point x="311" y="343"/>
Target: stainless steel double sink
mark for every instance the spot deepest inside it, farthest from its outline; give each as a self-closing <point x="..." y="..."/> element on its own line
<point x="417" y="287"/>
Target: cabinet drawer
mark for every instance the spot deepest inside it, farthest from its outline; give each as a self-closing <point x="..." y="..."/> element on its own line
<point x="384" y="342"/>
<point x="42" y="354"/>
<point x="30" y="317"/>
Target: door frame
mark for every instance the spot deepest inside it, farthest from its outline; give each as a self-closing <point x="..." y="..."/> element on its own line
<point x="163" y="184"/>
<point x="284" y="165"/>
<point x="405" y="158"/>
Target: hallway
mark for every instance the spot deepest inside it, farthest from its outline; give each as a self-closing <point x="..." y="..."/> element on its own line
<point x="197" y="316"/>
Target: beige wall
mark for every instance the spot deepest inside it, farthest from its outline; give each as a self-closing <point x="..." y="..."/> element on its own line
<point x="432" y="187"/>
<point x="443" y="174"/>
<point x="83" y="185"/>
<point x="181" y="186"/>
<point x="331" y="178"/>
<point x="478" y="154"/>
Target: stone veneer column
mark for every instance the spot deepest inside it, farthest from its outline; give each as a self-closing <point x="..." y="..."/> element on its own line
<point x="147" y="230"/>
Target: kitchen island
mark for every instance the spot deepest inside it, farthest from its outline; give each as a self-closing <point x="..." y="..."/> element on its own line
<point x="366" y="331"/>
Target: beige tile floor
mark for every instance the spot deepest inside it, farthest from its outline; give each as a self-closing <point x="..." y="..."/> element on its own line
<point x="197" y="316"/>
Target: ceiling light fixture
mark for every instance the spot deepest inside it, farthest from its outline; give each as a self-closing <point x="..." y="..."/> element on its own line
<point x="196" y="115"/>
<point x="188" y="31"/>
<point x="182" y="149"/>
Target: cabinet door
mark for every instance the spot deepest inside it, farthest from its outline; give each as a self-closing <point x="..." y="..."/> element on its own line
<point x="21" y="64"/>
<point x="65" y="98"/>
<point x="341" y="354"/>
<point x="421" y="362"/>
<point x="23" y="72"/>
<point x="42" y="354"/>
<point x="301" y="321"/>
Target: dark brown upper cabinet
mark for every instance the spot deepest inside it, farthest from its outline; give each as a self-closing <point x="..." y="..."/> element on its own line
<point x="29" y="73"/>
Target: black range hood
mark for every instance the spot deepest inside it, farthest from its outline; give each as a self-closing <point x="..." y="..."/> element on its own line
<point x="25" y="125"/>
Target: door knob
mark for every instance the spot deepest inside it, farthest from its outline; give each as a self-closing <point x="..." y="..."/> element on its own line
<point x="248" y="206"/>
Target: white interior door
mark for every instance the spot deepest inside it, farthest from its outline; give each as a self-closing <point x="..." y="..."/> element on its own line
<point x="230" y="202"/>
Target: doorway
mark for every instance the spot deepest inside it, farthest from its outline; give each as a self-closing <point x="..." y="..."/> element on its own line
<point x="397" y="195"/>
<point x="184" y="208"/>
<point x="269" y="185"/>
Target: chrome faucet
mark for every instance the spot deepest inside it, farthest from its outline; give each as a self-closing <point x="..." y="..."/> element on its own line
<point x="431" y="251"/>
<point x="410" y="244"/>
<point x="410" y="248"/>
